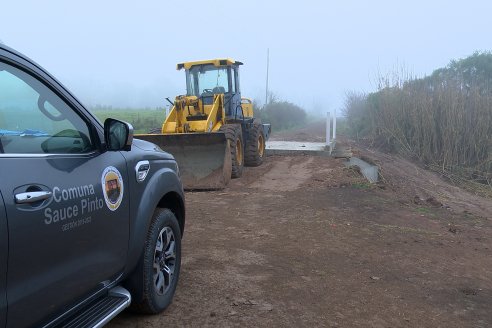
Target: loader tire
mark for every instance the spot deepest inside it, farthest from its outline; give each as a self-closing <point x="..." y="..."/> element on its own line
<point x="255" y="145"/>
<point x="234" y="135"/>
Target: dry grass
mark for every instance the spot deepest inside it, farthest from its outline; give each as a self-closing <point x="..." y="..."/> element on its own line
<point x="444" y="120"/>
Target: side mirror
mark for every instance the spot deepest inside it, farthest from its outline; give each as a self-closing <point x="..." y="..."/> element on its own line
<point x="118" y="135"/>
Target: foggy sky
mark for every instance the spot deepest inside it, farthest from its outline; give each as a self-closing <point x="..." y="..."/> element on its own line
<point x="124" y="53"/>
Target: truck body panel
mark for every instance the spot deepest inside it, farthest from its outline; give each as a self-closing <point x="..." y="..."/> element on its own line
<point x="3" y="263"/>
<point x="72" y="245"/>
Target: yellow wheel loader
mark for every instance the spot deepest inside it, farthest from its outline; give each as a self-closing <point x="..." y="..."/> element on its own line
<point x="211" y="130"/>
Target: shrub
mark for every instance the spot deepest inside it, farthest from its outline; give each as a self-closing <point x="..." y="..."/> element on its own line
<point x="281" y="114"/>
<point x="445" y="119"/>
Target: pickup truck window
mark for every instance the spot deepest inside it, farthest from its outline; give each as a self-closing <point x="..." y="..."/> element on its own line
<point x="34" y="120"/>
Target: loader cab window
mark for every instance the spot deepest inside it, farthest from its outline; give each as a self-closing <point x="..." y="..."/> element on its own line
<point x="207" y="80"/>
<point x="233" y="81"/>
<point x="236" y="79"/>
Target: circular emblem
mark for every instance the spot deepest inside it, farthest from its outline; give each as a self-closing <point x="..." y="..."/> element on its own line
<point x="112" y="185"/>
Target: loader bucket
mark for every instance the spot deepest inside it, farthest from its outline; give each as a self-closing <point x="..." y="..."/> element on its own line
<point x="204" y="159"/>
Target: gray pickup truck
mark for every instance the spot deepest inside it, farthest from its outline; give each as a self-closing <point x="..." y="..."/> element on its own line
<point x="90" y="220"/>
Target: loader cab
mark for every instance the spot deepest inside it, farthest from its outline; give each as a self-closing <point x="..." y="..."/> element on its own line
<point x="208" y="78"/>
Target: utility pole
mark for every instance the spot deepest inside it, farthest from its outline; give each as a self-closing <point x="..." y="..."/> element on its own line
<point x="266" y="89"/>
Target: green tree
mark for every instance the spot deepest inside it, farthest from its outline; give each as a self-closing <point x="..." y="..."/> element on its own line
<point x="282" y="114"/>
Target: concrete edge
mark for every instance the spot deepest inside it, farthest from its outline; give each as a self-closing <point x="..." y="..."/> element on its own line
<point x="370" y="172"/>
<point x="290" y="152"/>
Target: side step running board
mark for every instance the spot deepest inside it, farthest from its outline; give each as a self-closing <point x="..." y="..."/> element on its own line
<point x="101" y="311"/>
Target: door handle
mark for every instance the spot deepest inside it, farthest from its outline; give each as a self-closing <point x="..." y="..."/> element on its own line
<point x="32" y="197"/>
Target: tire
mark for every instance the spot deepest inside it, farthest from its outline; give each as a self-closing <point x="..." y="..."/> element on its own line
<point x="234" y="135"/>
<point x="255" y="145"/>
<point x="160" y="274"/>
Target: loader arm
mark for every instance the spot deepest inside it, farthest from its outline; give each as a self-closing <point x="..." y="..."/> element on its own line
<point x="216" y="118"/>
<point x="189" y="114"/>
<point x="169" y="125"/>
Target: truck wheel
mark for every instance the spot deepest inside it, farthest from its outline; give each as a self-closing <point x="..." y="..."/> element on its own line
<point x="234" y="134"/>
<point x="255" y="145"/>
<point x="161" y="263"/>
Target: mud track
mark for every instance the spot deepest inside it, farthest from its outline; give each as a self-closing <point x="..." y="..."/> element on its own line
<point x="304" y="241"/>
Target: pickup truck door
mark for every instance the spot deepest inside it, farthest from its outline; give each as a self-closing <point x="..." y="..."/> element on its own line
<point x="66" y="201"/>
<point x="3" y="263"/>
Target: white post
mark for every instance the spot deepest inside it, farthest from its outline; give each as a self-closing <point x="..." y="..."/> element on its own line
<point x="334" y="124"/>
<point x="328" y="143"/>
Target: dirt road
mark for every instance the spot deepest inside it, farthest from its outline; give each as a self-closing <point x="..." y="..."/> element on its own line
<point x="304" y="241"/>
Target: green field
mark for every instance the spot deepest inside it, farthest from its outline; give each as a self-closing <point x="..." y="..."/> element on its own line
<point x="143" y="120"/>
